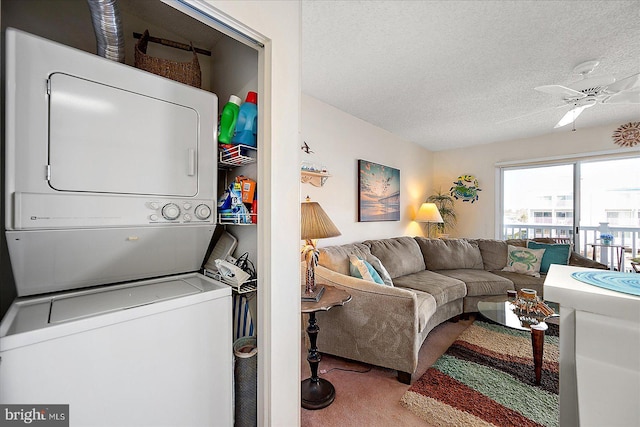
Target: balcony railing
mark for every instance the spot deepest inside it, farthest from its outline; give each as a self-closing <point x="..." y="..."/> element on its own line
<point x="629" y="237"/>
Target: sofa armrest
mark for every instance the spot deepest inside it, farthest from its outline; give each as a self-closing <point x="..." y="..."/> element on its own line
<point x="349" y="283"/>
<point x="578" y="260"/>
<point x="378" y="326"/>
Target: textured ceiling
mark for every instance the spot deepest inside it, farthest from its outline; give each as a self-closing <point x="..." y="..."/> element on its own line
<point x="449" y="74"/>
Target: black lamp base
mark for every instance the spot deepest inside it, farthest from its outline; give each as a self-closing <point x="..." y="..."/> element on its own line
<point x="317" y="393"/>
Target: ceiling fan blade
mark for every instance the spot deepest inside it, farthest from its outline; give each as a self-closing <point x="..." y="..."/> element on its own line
<point x="628" y="83"/>
<point x="625" y="97"/>
<point x="560" y="90"/>
<point x="530" y="114"/>
<point x="571" y="116"/>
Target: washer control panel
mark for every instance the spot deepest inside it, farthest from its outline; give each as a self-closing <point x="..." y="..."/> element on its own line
<point x="176" y="211"/>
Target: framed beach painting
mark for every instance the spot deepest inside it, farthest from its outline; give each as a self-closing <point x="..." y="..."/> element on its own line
<point x="378" y="192"/>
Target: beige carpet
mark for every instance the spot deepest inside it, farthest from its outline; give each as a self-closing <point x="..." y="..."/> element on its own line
<point x="372" y="399"/>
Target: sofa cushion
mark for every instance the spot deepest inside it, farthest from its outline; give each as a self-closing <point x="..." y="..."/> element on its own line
<point x="450" y="254"/>
<point x="521" y="281"/>
<point x="399" y="255"/>
<point x="494" y="253"/>
<point x="517" y="242"/>
<point x="363" y="270"/>
<point x="444" y="289"/>
<point x="558" y="253"/>
<point x="578" y="260"/>
<point x="336" y="258"/>
<point x="524" y="260"/>
<point x="480" y="282"/>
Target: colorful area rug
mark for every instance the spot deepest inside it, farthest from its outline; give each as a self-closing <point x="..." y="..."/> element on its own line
<point x="486" y="378"/>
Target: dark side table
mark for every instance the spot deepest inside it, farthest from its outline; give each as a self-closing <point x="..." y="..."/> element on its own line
<point x="318" y="393"/>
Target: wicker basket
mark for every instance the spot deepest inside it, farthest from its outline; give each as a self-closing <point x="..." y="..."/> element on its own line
<point x="183" y="72"/>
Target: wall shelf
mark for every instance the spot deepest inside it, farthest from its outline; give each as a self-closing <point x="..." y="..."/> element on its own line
<point x="238" y="155"/>
<point x="250" y="285"/>
<point x="237" y="219"/>
<point x="314" y="178"/>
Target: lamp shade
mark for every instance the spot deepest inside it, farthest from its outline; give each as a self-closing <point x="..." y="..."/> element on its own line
<point x="315" y="223"/>
<point x="429" y="212"/>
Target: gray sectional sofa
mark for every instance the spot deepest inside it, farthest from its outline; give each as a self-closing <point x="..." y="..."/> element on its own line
<point x="434" y="280"/>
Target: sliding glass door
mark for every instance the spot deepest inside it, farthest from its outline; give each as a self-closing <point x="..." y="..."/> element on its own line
<point x="579" y="202"/>
<point x="610" y="205"/>
<point x="538" y="202"/>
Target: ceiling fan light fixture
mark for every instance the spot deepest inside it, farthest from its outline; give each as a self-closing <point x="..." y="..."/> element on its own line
<point x="586" y="67"/>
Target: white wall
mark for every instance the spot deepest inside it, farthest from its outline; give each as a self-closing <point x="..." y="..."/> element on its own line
<point x="338" y="141"/>
<point x="278" y="23"/>
<point x="237" y="80"/>
<point x="478" y="219"/>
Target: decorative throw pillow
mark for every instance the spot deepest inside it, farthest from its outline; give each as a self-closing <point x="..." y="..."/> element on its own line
<point x="382" y="271"/>
<point x="524" y="260"/>
<point x="558" y="253"/>
<point x="363" y="270"/>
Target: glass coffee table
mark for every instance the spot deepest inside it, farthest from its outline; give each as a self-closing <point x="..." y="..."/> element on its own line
<point x="502" y="313"/>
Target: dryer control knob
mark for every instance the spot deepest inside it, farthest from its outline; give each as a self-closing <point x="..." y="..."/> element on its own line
<point x="203" y="211"/>
<point x="170" y="211"/>
<point x="153" y="217"/>
<point x="153" y="205"/>
<point x="186" y="206"/>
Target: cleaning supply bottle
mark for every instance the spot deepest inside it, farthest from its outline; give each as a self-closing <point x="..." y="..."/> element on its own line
<point x="247" y="124"/>
<point x="229" y="119"/>
<point x="254" y="210"/>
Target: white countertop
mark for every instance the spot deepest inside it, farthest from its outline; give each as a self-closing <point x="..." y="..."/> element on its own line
<point x="560" y="287"/>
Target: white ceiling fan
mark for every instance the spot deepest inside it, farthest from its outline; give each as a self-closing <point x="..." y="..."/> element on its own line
<point x="590" y="91"/>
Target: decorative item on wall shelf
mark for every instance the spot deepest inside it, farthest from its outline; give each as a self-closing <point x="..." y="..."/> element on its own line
<point x="445" y="204"/>
<point x="313" y="174"/>
<point x="627" y="135"/>
<point x="378" y="192"/>
<point x="466" y="188"/>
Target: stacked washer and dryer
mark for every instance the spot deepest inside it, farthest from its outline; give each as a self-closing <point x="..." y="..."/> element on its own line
<point x="110" y="188"/>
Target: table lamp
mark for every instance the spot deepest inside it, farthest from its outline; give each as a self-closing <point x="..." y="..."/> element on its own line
<point x="429" y="213"/>
<point x="315" y="224"/>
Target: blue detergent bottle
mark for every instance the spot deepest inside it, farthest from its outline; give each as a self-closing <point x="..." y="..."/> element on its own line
<point x="247" y="124"/>
<point x="228" y="119"/>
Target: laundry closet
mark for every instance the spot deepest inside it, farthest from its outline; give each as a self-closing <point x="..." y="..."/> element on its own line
<point x="227" y="67"/>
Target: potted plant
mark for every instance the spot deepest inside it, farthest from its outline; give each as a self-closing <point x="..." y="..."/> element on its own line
<point x="606" y="238"/>
<point x="445" y="204"/>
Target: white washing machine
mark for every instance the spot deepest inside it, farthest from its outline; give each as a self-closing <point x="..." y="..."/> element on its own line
<point x="150" y="353"/>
